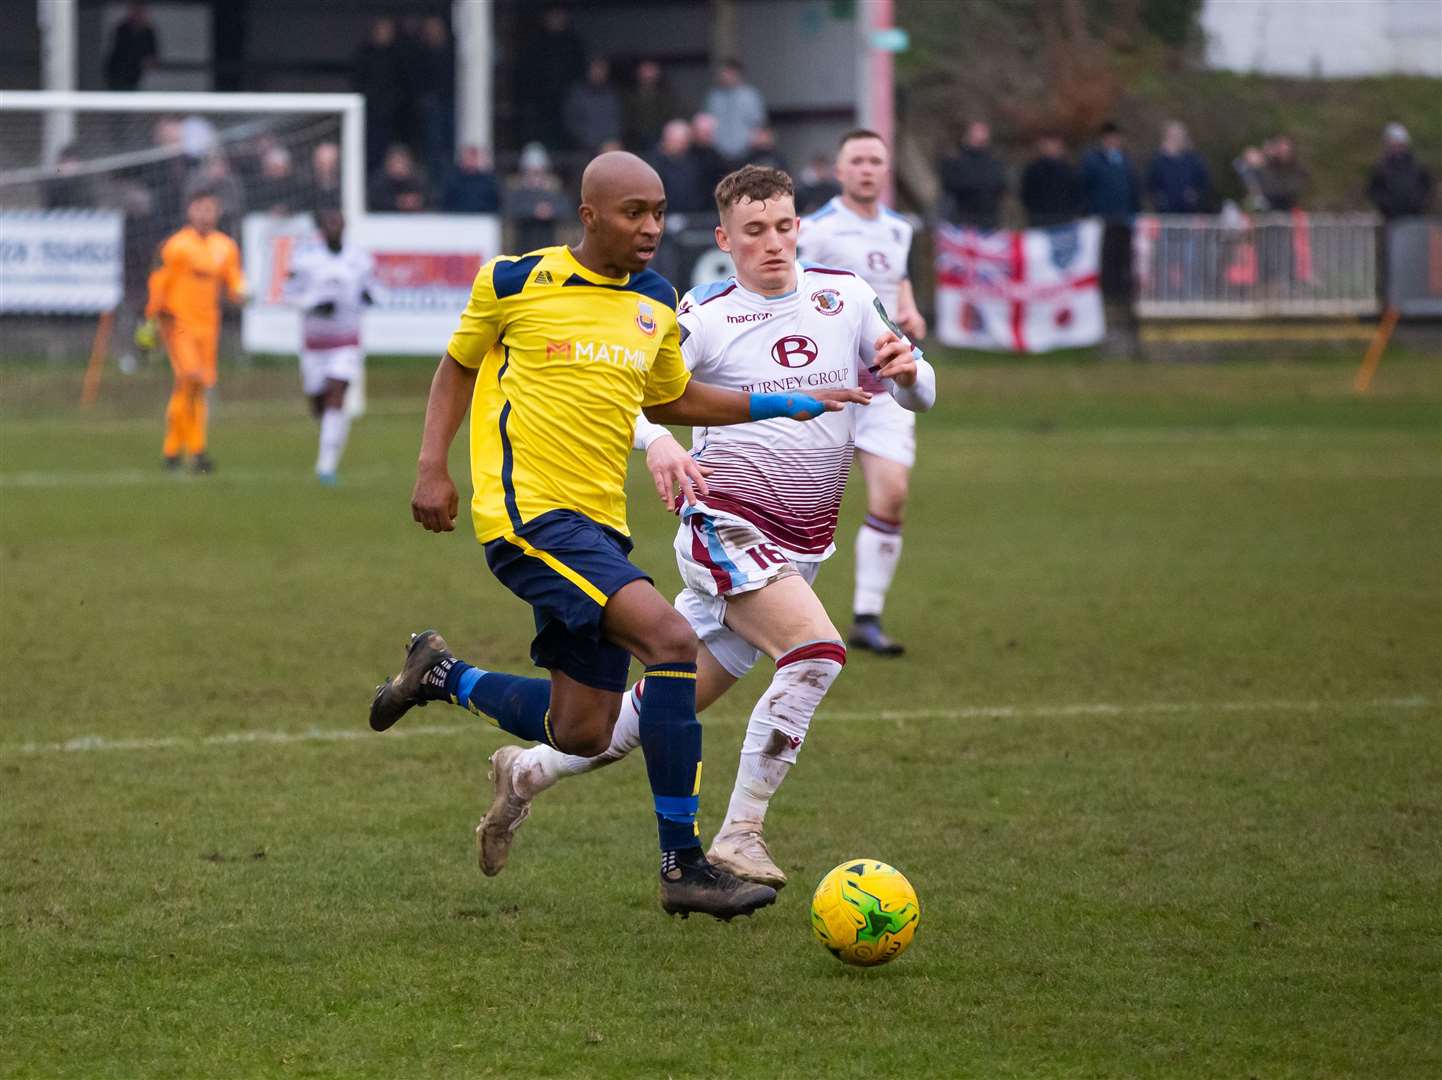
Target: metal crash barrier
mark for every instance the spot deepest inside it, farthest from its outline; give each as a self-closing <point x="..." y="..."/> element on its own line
<point x="1256" y="266"/>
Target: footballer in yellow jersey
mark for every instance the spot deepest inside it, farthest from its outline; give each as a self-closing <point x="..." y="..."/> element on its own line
<point x="556" y="399"/>
<point x="556" y="353"/>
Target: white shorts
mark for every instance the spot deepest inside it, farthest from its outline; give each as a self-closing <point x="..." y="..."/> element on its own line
<point x="887" y="430"/>
<point x="718" y="559"/>
<point x="318" y="365"/>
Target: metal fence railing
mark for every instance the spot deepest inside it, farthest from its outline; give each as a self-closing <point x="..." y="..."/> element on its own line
<point x="1253" y="266"/>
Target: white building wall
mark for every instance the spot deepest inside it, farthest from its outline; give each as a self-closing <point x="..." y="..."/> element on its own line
<point x="1325" y="38"/>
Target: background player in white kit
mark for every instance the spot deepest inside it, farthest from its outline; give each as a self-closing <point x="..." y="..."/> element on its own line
<point x="331" y="283"/>
<point x="758" y="508"/>
<point x="855" y="232"/>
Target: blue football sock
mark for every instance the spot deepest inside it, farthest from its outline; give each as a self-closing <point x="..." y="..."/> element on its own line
<point x="517" y="704"/>
<point x="671" y="741"/>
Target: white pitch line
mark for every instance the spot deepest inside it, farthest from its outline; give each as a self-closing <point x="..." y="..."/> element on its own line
<point x="157" y="477"/>
<point x="83" y="744"/>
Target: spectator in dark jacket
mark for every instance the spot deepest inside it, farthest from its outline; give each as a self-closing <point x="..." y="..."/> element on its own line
<point x="1177" y="181"/>
<point x="974" y="181"/>
<point x="555" y="59"/>
<point x="593" y="108"/>
<point x="397" y="188"/>
<point x="1049" y="185"/>
<point x="816" y="184"/>
<point x="434" y="83"/>
<point x="534" y="201"/>
<point x="471" y="187"/>
<point x="67" y="188"/>
<point x="763" y="150"/>
<point x="1400" y="185"/>
<point x="680" y="170"/>
<point x="325" y="176"/>
<point x="1282" y="179"/>
<point x="134" y="49"/>
<point x="710" y="162"/>
<point x="647" y="107"/>
<point x="379" y="75"/>
<point x="1111" y="191"/>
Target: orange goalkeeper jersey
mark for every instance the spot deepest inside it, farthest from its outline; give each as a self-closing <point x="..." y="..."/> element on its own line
<point x="186" y="284"/>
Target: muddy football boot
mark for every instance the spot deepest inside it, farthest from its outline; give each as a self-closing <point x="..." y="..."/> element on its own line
<point x="508" y="810"/>
<point x="708" y="890"/>
<point x="742" y="850"/>
<point x="396" y="696"/>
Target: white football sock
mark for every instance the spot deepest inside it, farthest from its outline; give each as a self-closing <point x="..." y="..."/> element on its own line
<point x="539" y="767"/>
<point x="778" y="726"/>
<point x="878" y="549"/>
<point x="334" y="430"/>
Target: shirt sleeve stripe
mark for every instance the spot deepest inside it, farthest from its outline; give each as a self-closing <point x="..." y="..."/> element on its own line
<point x="510" y="278"/>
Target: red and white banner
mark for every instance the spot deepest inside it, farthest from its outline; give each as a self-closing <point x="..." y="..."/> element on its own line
<point x="1027" y="291"/>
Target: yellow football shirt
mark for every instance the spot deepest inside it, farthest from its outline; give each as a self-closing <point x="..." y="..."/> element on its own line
<point x="567" y="359"/>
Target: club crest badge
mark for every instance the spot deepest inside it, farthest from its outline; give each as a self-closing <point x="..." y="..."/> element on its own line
<point x="645" y="318"/>
<point x="827" y="301"/>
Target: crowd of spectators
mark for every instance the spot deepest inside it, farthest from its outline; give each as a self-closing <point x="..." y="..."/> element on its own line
<point x="1106" y="181"/>
<point x="570" y="104"/>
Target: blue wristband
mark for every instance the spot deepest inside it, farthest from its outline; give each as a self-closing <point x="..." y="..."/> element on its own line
<point x="770" y="406"/>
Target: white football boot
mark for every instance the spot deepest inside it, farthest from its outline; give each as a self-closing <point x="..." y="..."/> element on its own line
<point x="508" y="809"/>
<point x="741" y="849"/>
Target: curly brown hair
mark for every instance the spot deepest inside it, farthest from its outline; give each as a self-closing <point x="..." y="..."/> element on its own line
<point x="755" y="183"/>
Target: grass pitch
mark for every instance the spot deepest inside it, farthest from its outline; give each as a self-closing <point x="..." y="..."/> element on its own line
<point x="1163" y="760"/>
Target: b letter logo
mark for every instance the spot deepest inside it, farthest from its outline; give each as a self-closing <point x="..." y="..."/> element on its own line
<point x="794" y="351"/>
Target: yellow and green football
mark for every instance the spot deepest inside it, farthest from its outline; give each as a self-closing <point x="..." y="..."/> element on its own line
<point x="865" y="912"/>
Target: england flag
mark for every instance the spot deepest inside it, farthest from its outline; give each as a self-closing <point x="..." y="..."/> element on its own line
<point x="1027" y="291"/>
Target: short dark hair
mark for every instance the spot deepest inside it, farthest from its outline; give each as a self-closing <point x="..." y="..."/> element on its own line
<point x="732" y="62"/>
<point x="860" y="133"/>
<point x="754" y="183"/>
<point x="203" y="191"/>
<point x="1111" y="128"/>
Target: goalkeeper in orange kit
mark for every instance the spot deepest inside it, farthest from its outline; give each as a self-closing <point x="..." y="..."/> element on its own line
<point x="184" y="306"/>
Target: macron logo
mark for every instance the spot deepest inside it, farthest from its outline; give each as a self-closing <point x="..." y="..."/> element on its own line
<point x="749" y="317"/>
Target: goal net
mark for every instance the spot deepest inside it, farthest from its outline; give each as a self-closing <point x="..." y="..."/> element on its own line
<point x="92" y="183"/>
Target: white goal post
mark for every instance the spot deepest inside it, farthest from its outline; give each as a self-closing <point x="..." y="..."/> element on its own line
<point x="65" y="104"/>
<point x="79" y="231"/>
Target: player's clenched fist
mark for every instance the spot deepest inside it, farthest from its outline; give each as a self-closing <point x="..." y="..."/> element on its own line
<point x="434" y="501"/>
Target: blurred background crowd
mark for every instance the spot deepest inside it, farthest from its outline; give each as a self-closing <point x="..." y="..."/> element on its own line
<point x="574" y="101"/>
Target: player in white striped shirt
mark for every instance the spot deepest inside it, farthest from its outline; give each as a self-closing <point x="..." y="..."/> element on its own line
<point x="857" y="232"/>
<point x="758" y="505"/>
<point x="331" y="283"/>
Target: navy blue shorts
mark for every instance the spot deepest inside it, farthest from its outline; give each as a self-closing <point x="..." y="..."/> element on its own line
<point x="566" y="567"/>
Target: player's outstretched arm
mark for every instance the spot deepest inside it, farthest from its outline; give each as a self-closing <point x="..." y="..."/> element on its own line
<point x="434" y="501"/>
<point x="702" y="405"/>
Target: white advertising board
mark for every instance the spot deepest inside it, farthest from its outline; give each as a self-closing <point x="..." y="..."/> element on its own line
<point x="424" y="266"/>
<point x="64" y="262"/>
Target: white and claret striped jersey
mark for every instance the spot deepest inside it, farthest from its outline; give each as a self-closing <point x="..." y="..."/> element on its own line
<point x="341" y="278"/>
<point x="567" y="359"/>
<point x="874" y="249"/>
<point x="784" y="478"/>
